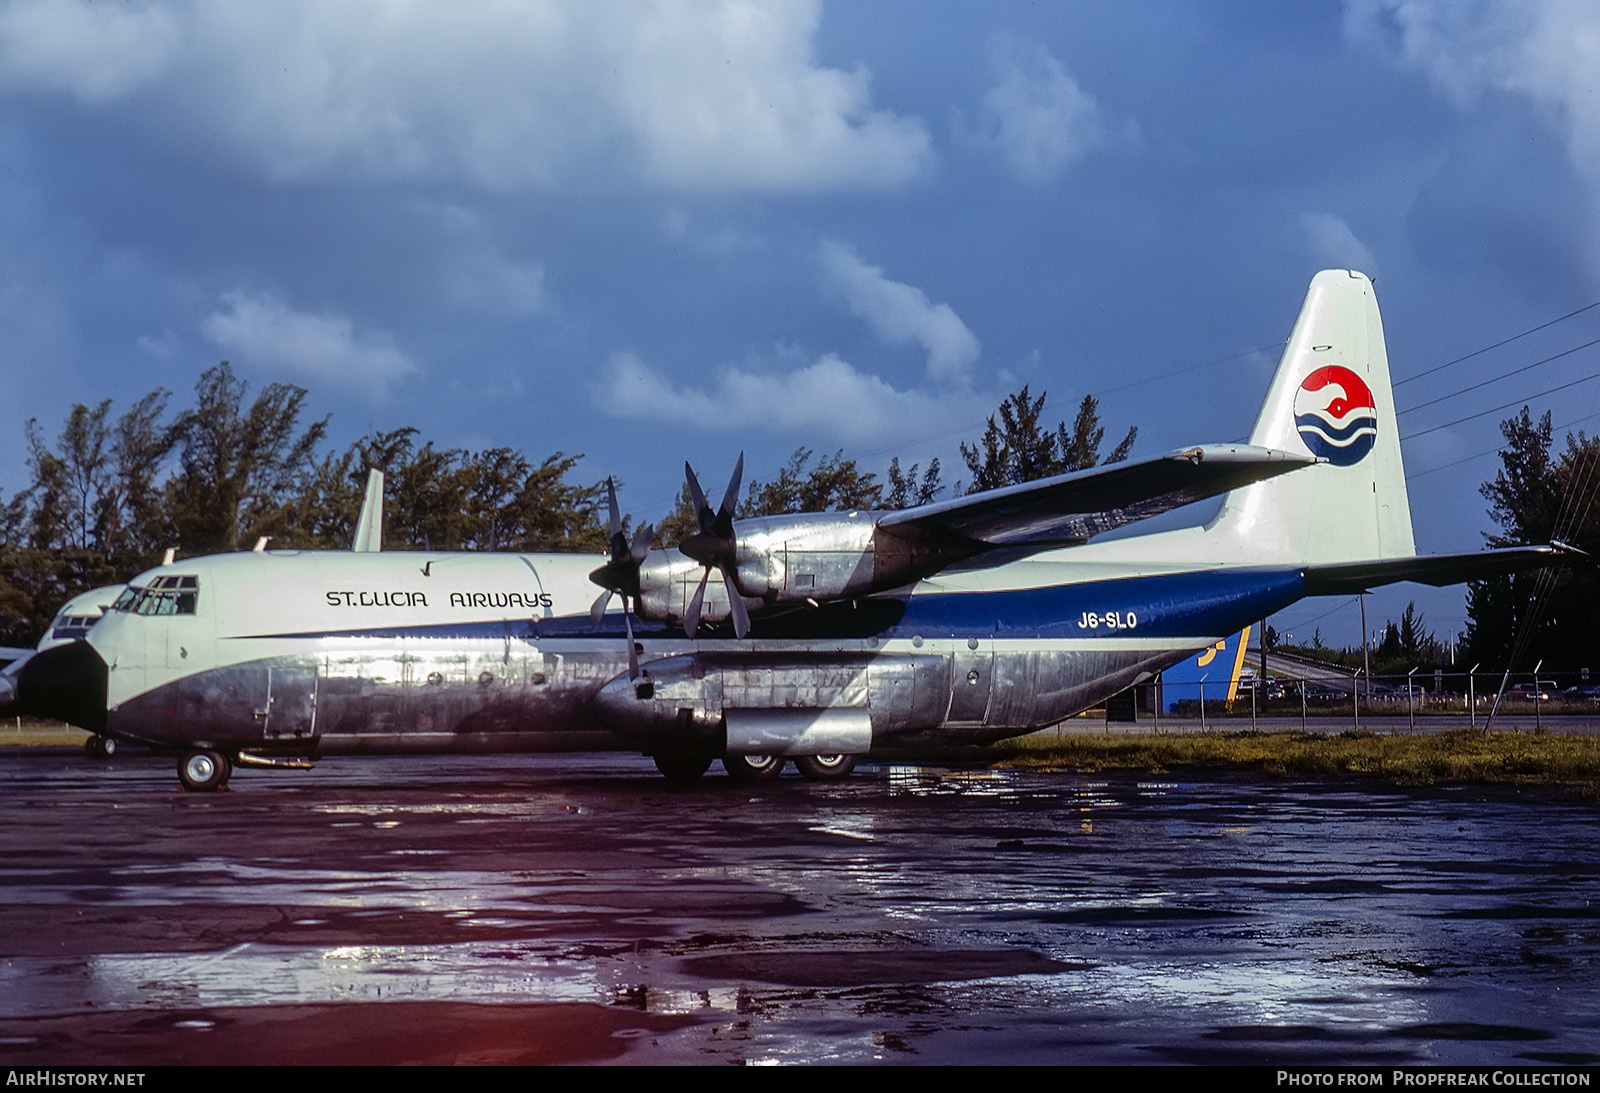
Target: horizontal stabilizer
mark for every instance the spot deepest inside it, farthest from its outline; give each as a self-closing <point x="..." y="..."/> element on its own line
<point x="1346" y="578"/>
<point x="1086" y="503"/>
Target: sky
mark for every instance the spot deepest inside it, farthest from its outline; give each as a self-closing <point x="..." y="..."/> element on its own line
<point x="652" y="232"/>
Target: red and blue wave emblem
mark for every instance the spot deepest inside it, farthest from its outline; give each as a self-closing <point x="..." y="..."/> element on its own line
<point x="1336" y="416"/>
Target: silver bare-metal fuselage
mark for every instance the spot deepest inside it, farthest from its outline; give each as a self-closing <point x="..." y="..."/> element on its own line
<point x="303" y="654"/>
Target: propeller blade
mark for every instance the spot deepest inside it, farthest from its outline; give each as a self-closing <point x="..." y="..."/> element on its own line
<point x="714" y="546"/>
<point x="741" y="617"/>
<point x="702" y="511"/>
<point x="691" y="617"/>
<point x="620" y="573"/>
<point x="641" y="543"/>
<point x="633" y="653"/>
<point x="730" y="499"/>
<point x="611" y="498"/>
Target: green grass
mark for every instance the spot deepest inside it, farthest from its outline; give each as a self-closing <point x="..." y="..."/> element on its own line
<point x="30" y="732"/>
<point x="1464" y="757"/>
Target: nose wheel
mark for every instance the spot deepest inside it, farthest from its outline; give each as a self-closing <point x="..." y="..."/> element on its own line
<point x="204" y="771"/>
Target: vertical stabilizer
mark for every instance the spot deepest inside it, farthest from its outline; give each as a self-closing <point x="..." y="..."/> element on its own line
<point x="369" y="525"/>
<point x="1331" y="397"/>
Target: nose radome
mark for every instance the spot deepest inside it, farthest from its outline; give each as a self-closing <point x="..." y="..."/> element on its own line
<point x="69" y="682"/>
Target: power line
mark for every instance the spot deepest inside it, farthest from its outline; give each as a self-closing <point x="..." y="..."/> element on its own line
<point x="1190" y="368"/>
<point x="1497" y="345"/>
<point x="1502" y="406"/>
<point x="1497" y="379"/>
<point x="1493" y="451"/>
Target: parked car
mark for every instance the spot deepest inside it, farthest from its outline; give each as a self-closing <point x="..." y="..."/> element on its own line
<point x="1533" y="692"/>
<point x="1322" y="693"/>
<point x="1282" y="690"/>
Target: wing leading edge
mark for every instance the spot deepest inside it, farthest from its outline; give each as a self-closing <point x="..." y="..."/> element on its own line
<point x="1074" y="507"/>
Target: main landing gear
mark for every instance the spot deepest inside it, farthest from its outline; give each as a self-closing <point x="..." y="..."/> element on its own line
<point x="753" y="768"/>
<point x="689" y="766"/>
<point x="204" y="771"/>
<point x="825" y="768"/>
<point x="99" y="747"/>
<point x="682" y="766"/>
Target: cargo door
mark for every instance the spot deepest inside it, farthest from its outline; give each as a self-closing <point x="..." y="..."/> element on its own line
<point x="291" y="704"/>
<point x="971" y="681"/>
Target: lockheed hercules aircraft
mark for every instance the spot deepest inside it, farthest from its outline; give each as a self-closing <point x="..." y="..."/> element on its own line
<point x="968" y="620"/>
<point x="79" y="614"/>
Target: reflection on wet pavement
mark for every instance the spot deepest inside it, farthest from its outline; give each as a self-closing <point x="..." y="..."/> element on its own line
<point x="911" y="914"/>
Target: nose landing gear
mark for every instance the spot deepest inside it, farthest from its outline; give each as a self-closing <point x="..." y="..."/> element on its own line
<point x="204" y="771"/>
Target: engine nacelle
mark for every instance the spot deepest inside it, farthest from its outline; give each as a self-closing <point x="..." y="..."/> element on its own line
<point x="828" y="556"/>
<point x="667" y="582"/>
<point x="803" y="558"/>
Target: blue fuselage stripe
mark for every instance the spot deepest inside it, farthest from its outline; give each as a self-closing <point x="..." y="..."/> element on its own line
<point x="1217" y="601"/>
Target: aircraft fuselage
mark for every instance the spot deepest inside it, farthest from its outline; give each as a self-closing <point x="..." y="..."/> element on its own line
<point x="309" y="654"/>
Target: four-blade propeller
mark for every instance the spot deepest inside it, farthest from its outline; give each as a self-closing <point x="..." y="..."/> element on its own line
<point x="620" y="574"/>
<point x="713" y="546"/>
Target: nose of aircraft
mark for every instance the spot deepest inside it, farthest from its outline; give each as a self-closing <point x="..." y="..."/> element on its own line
<point x="69" y="682"/>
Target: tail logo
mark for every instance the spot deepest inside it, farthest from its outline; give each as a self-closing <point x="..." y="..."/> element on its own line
<point x="1336" y="416"/>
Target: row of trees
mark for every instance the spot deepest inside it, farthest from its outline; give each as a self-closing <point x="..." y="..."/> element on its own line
<point x="1407" y="643"/>
<point x="1538" y="496"/>
<point x="114" y="491"/>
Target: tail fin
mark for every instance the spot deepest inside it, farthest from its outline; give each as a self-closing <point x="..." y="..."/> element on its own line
<point x="1331" y="396"/>
<point x="369" y="525"/>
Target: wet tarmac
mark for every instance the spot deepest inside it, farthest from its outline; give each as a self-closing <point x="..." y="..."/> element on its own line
<point x="579" y="908"/>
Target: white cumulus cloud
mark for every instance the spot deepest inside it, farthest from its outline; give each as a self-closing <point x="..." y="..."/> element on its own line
<point x="492" y="284"/>
<point x="686" y="96"/>
<point x="93" y="52"/>
<point x="1546" y="50"/>
<point x="1036" y="117"/>
<point x="902" y="315"/>
<point x="828" y="397"/>
<point x="259" y="330"/>
<point x="1334" y="245"/>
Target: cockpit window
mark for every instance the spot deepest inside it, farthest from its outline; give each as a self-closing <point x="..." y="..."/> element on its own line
<point x="72" y="627"/>
<point x="164" y="596"/>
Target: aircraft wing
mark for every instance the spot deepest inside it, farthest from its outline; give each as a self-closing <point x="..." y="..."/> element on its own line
<point x="1073" y="507"/>
<point x="1345" y="578"/>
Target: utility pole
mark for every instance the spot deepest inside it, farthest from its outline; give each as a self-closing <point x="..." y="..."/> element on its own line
<point x="1366" y="646"/>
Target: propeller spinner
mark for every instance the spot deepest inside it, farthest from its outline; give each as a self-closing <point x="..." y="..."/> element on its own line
<point x="714" y="547"/>
<point x="620" y="574"/>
